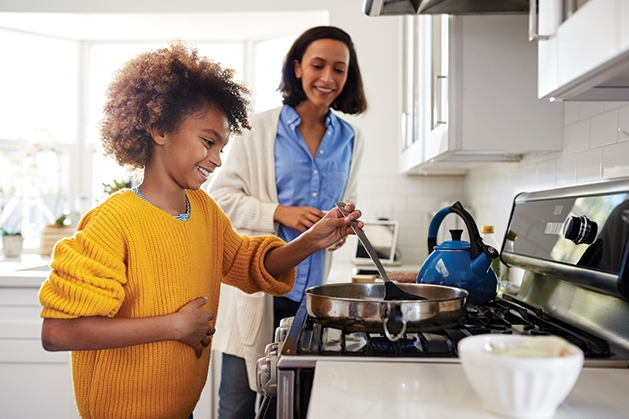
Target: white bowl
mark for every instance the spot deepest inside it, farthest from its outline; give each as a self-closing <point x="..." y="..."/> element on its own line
<point x="521" y="376"/>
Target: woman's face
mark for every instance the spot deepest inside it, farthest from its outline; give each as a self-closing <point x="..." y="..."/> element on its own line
<point x="323" y="71"/>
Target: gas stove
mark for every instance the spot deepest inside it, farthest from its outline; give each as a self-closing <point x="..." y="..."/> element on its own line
<point x="566" y="291"/>
<point x="309" y="341"/>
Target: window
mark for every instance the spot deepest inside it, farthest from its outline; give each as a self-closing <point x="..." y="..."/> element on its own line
<point x="38" y="130"/>
<point x="51" y="96"/>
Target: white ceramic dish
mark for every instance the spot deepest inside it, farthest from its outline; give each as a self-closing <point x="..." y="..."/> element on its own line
<point x="521" y="376"/>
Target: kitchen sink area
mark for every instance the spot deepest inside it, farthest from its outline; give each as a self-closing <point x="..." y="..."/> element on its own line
<point x="43" y="268"/>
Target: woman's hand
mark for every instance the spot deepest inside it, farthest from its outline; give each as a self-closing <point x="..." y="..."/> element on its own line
<point x="193" y="325"/>
<point x="299" y="218"/>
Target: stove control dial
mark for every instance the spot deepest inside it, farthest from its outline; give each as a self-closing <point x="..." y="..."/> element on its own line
<point x="580" y="229"/>
<point x="282" y="331"/>
<point x="266" y="370"/>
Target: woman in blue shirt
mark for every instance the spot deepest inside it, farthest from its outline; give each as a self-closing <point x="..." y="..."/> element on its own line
<point x="297" y="160"/>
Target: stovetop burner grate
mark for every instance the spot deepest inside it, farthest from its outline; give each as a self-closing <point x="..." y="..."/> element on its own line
<point x="500" y="316"/>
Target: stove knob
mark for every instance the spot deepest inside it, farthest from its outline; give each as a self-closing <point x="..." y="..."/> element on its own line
<point x="580" y="229"/>
<point x="266" y="369"/>
<point x="282" y="331"/>
<point x="280" y="334"/>
<point x="287" y="321"/>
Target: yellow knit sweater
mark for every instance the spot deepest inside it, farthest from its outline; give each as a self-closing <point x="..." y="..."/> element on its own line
<point x="129" y="259"/>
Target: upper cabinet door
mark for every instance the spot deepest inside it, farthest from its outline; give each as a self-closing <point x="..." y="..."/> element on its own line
<point x="471" y="94"/>
<point x="583" y="53"/>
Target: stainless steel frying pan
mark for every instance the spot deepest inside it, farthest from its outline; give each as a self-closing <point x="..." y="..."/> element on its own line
<point x="360" y="307"/>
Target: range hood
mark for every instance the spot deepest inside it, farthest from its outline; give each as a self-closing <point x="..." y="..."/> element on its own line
<point x="451" y="7"/>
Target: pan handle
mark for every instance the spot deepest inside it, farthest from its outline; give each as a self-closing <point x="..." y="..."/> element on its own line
<point x="393" y="313"/>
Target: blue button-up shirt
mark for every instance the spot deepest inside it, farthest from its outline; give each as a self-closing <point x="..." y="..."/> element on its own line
<point x="317" y="182"/>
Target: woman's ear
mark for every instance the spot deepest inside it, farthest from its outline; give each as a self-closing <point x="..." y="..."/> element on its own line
<point x="297" y="68"/>
<point x="158" y="136"/>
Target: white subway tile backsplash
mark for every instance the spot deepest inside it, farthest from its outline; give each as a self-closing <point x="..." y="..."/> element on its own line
<point x="604" y="129"/>
<point x="566" y="170"/>
<point x="577" y="136"/>
<point x="613" y="105"/>
<point x="589" y="165"/>
<point x="570" y="112"/>
<point x="615" y="161"/>
<point x="529" y="175"/>
<point x="589" y="109"/>
<point x="623" y="123"/>
<point x="546" y="173"/>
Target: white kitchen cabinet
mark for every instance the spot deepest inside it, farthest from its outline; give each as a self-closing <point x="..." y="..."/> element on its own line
<point x="583" y="54"/>
<point x="470" y="86"/>
<point x="33" y="383"/>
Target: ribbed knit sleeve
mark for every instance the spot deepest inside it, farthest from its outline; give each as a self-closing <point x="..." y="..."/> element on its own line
<point x="88" y="272"/>
<point x="243" y="261"/>
<point x="247" y="262"/>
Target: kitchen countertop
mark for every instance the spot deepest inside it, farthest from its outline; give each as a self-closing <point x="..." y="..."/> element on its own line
<point x="430" y="390"/>
<point x="30" y="270"/>
<point x="341" y="271"/>
<point x="27" y="270"/>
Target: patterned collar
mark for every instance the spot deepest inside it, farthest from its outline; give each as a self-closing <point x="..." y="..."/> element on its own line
<point x="180" y="217"/>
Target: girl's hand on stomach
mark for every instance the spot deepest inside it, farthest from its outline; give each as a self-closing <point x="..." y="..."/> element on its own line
<point x="193" y="325"/>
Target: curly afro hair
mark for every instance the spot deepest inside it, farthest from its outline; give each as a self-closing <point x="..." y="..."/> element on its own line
<point x="157" y="90"/>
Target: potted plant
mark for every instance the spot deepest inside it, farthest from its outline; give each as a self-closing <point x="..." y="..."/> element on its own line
<point x="52" y="233"/>
<point x="12" y="242"/>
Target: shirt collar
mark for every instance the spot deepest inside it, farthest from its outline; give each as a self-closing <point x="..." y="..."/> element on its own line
<point x="292" y="119"/>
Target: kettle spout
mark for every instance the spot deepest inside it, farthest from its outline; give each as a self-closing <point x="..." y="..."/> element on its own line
<point x="482" y="263"/>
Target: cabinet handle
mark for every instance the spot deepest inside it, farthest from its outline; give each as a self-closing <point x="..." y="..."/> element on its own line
<point x="437" y="112"/>
<point x="534" y="24"/>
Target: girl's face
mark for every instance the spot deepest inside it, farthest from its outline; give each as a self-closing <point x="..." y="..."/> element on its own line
<point x="192" y="152"/>
<point x="323" y="71"/>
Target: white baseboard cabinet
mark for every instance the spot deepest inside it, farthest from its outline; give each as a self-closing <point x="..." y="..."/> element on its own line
<point x="33" y="383"/>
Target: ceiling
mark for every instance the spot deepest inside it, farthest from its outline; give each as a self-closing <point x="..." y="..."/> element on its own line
<point x="238" y="26"/>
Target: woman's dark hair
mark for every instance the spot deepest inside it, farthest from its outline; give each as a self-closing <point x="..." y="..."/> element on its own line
<point x="157" y="90"/>
<point x="351" y="100"/>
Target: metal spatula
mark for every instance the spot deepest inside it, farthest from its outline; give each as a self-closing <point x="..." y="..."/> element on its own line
<point x="391" y="291"/>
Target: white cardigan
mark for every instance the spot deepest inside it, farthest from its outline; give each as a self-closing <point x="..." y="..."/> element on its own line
<point x="246" y="190"/>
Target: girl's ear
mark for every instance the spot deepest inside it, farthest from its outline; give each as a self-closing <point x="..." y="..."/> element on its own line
<point x="157" y="136"/>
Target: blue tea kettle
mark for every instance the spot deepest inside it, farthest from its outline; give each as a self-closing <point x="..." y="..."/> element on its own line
<point x="458" y="263"/>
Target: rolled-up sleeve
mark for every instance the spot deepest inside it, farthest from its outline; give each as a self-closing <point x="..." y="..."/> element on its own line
<point x="86" y="278"/>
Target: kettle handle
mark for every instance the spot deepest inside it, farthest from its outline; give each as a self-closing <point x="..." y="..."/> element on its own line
<point x="476" y="242"/>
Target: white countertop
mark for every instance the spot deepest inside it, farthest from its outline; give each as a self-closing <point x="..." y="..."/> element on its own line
<point x="341" y="271"/>
<point x="427" y="390"/>
<point x="27" y="270"/>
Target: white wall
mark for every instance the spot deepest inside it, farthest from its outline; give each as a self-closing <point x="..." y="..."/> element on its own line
<point x="595" y="149"/>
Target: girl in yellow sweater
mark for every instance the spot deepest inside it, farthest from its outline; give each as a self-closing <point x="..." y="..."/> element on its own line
<point x="133" y="292"/>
